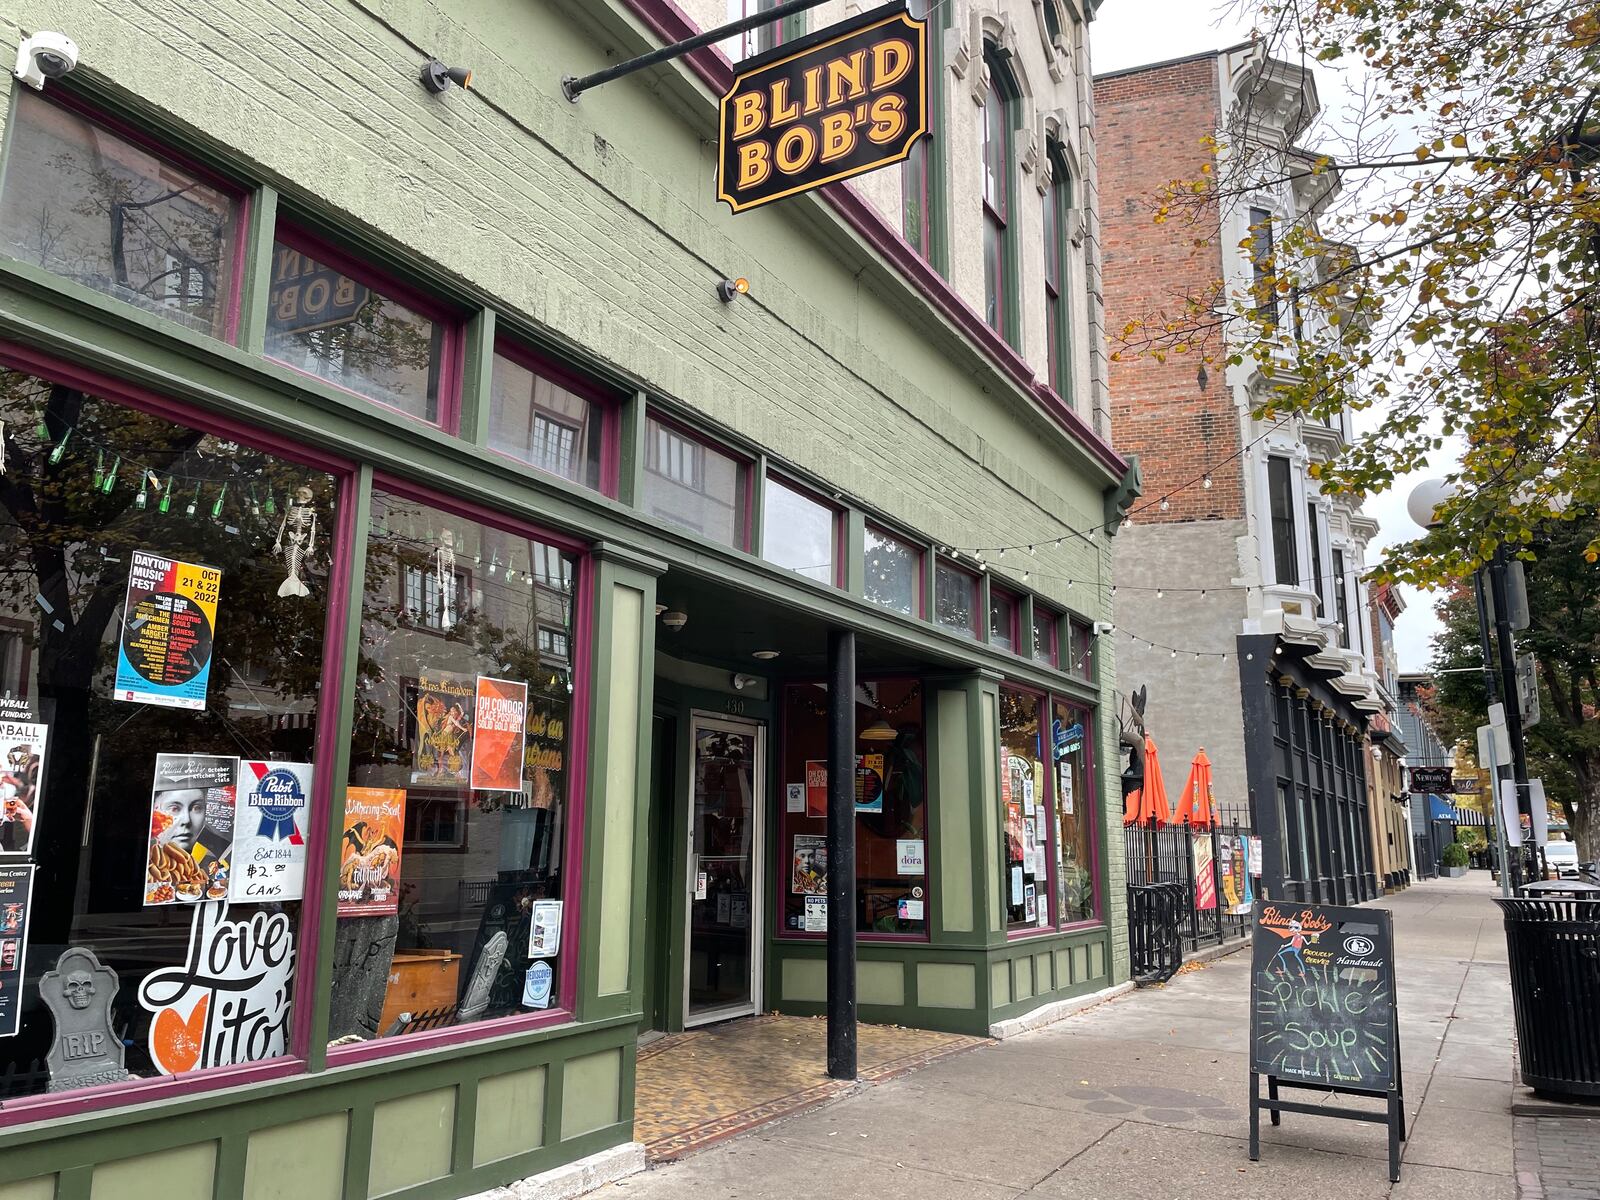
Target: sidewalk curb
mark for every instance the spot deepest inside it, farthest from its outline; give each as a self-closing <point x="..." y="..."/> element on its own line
<point x="573" y="1179"/>
<point x="1212" y="953"/>
<point x="1049" y="1014"/>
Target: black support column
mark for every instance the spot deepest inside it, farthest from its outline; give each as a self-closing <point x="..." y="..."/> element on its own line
<point x="841" y="855"/>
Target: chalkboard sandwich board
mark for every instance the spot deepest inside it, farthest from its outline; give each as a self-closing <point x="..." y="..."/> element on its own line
<point x="1323" y="1014"/>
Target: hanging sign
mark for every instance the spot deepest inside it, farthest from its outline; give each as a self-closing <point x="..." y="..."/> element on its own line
<point x="169" y="617"/>
<point x="269" y="844"/>
<point x="1433" y="780"/>
<point x="847" y="100"/>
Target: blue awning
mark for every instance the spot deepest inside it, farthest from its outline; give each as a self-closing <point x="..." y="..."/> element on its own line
<point x="1440" y="809"/>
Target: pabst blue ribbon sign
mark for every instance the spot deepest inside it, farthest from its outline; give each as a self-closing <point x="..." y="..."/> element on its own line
<point x="843" y="102"/>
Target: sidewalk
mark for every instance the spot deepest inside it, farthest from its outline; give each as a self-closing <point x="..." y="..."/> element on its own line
<point x="1145" y="1097"/>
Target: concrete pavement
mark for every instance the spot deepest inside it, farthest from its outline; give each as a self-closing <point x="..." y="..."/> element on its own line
<point x="1144" y="1098"/>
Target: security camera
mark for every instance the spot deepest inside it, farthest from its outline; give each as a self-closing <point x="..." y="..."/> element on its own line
<point x="1101" y="628"/>
<point x="45" y="56"/>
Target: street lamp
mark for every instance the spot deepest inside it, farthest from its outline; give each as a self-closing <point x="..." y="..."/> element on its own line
<point x="1423" y="505"/>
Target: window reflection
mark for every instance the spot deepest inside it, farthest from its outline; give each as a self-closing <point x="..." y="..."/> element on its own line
<point x="955" y="600"/>
<point x="692" y="485"/>
<point x="455" y="818"/>
<point x="544" y="424"/>
<point x="1074" y="805"/>
<point x="891" y="571"/>
<point x="797" y="532"/>
<point x="1025" y="808"/>
<point x="86" y="204"/>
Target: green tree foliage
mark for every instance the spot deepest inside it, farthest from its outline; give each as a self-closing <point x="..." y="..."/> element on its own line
<point x="1564" y="602"/>
<point x="1449" y="281"/>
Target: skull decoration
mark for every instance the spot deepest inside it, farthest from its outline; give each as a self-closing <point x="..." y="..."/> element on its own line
<point x="79" y="989"/>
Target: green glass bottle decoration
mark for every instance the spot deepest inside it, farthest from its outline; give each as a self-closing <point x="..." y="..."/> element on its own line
<point x="255" y="505"/>
<point x="166" y="496"/>
<point x="110" y="480"/>
<point x="216" y="508"/>
<point x="143" y="498"/>
<point x="194" y="502"/>
<point x="270" y="507"/>
<point x="60" y="451"/>
<point x="99" y="469"/>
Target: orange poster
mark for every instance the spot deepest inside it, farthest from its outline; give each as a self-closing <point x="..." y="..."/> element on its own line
<point x="500" y="719"/>
<point x="369" y="859"/>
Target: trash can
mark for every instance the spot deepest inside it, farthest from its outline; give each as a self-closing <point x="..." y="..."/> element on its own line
<point x="1553" y="945"/>
<point x="1155" y="922"/>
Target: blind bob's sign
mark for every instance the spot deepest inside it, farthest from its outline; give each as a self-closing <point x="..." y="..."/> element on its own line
<point x="848" y="100"/>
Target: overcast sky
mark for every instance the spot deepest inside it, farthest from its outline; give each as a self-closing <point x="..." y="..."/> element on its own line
<point x="1130" y="33"/>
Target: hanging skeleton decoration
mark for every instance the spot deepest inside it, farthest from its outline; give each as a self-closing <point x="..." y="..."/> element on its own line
<point x="444" y="577"/>
<point x="297" y="536"/>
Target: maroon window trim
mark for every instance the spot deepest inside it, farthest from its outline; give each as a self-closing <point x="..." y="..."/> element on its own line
<point x="1092" y="796"/>
<point x="980" y="618"/>
<point x="1018" y="933"/>
<point x="1012" y="603"/>
<point x="607" y="402"/>
<point x="1052" y="648"/>
<point x="451" y="321"/>
<point x="745" y="501"/>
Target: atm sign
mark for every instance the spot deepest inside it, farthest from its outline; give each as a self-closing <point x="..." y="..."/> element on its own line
<point x="846" y="101"/>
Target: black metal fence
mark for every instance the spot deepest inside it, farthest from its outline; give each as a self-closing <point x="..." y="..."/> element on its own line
<point x="1204" y="892"/>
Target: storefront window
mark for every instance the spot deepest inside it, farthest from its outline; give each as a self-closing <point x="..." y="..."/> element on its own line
<point x="1044" y="636"/>
<point x="1025" y="803"/>
<point x="1082" y="650"/>
<point x="453" y="853"/>
<point x="1070" y="731"/>
<point x="891" y="810"/>
<point x="102" y="211"/>
<point x="692" y="485"/>
<point x="955" y="599"/>
<point x="329" y="320"/>
<point x="1002" y="619"/>
<point x="543" y="422"/>
<point x="798" y="532"/>
<point x="893" y="571"/>
<point x="164" y="615"/>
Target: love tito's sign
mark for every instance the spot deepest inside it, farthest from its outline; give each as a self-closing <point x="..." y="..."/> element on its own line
<point x="843" y="102"/>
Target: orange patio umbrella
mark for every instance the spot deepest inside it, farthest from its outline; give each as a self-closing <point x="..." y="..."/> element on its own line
<point x="1198" y="806"/>
<point x="1148" y="805"/>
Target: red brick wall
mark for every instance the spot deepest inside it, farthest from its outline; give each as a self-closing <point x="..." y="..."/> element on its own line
<point x="1149" y="126"/>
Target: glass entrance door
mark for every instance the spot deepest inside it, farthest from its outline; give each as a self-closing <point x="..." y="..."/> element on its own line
<point x="725" y="806"/>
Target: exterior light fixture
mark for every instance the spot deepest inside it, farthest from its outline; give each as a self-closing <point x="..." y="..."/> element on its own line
<point x="437" y="77"/>
<point x="879" y="731"/>
<point x="740" y="682"/>
<point x="674" y="620"/>
<point x="764" y="655"/>
<point x="727" y="289"/>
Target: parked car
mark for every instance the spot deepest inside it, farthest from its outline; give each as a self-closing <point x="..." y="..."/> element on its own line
<point x="1562" y="859"/>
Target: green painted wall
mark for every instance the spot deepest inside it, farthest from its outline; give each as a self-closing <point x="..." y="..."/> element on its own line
<point x="411" y="1140"/>
<point x="510" y="1115"/>
<point x="184" y="1173"/>
<point x="302" y="1161"/>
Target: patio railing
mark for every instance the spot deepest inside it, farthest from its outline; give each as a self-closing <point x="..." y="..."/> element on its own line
<point x="1177" y="855"/>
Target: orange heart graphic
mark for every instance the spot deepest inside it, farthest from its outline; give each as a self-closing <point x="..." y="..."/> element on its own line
<point x="175" y="1043"/>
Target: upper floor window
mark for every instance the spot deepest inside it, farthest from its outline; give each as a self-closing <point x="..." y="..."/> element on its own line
<point x="799" y="532"/>
<point x="538" y="417"/>
<point x="335" y="320"/>
<point x="893" y="572"/>
<point x="998" y="252"/>
<point x="1263" y="274"/>
<point x="691" y="484"/>
<point x="1280" y="496"/>
<point x="1314" y="532"/>
<point x="1341" y="599"/>
<point x="955" y="599"/>
<point x="1057" y="290"/>
<point x="916" y="173"/>
<point x="752" y="41"/>
<point x="1002" y="619"/>
<point x="1045" y="647"/>
<point x="1082" y="649"/>
<point x="104" y="211"/>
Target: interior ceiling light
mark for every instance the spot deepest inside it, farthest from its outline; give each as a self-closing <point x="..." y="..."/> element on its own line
<point x="437" y="77"/>
<point x="764" y="655"/>
<point x="879" y="731"/>
<point x="727" y="289"/>
<point x="674" y="620"/>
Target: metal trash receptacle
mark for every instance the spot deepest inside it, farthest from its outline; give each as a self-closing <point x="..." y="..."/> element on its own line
<point x="1553" y="947"/>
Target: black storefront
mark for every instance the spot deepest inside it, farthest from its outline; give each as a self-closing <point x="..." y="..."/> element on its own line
<point x="1305" y="761"/>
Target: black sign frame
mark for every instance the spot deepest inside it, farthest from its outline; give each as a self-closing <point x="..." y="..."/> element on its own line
<point x="1299" y="954"/>
<point x="788" y="66"/>
<point x="1433" y="781"/>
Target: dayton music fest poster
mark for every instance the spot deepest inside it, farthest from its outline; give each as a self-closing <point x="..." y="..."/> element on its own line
<point x="169" y="618"/>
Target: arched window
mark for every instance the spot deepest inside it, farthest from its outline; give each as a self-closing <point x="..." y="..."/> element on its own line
<point x="999" y="240"/>
<point x="1058" y="272"/>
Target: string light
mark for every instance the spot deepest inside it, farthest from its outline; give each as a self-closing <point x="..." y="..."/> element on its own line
<point x="1206" y="482"/>
<point x="1166" y="505"/>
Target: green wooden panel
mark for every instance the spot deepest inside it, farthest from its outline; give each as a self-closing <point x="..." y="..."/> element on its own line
<point x="999" y="984"/>
<point x="185" y="1173"/>
<point x="1080" y="963"/>
<point x="1042" y="979"/>
<point x="411" y="1140"/>
<point x="41" y="1188"/>
<point x="1097" y="959"/>
<point x="510" y="1116"/>
<point x="1021" y="979"/>
<point x="301" y="1161"/>
<point x="953" y="811"/>
<point x="988" y="773"/>
<point x="621" y="786"/>
<point x="591" y="1093"/>
<point x="947" y="985"/>
<point x="1063" y="968"/>
<point x="880" y="983"/>
<point x="806" y="979"/>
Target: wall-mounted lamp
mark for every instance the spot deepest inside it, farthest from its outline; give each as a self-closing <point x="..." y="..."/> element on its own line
<point x="674" y="620"/>
<point x="729" y="288"/>
<point x="740" y="682"/>
<point x="879" y="731"/>
<point x="437" y="77"/>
